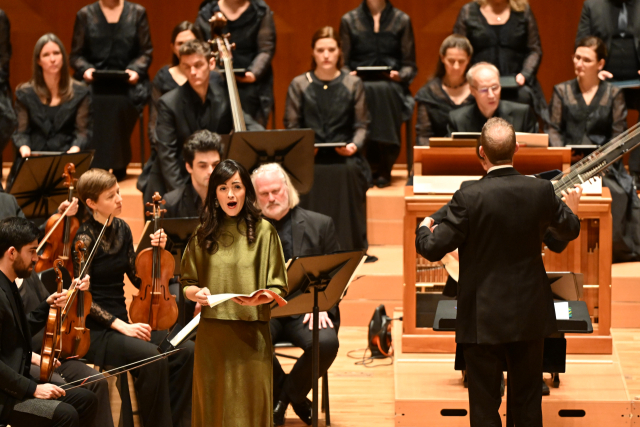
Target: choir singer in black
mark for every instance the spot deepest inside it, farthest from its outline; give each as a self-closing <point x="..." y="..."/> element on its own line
<point x="505" y="305"/>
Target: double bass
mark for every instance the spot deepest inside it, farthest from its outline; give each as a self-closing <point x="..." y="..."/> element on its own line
<point x="58" y="242"/>
<point x="76" y="338"/>
<point x="154" y="304"/>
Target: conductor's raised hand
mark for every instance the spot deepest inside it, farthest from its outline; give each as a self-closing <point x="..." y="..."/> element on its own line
<point x="201" y="297"/>
<point x="159" y="238"/>
<point x="572" y="198"/>
<point x="48" y="392"/>
<point x="257" y="299"/>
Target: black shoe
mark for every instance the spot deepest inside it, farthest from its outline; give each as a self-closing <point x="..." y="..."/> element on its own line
<point x="371" y="258"/>
<point x="381" y="182"/>
<point x="545" y="389"/>
<point x="303" y="411"/>
<point x="278" y="413"/>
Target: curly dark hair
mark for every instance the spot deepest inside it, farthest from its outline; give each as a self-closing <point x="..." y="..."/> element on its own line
<point x="212" y="216"/>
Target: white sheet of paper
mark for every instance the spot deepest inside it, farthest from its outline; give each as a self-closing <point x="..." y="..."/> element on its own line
<point x="562" y="310"/>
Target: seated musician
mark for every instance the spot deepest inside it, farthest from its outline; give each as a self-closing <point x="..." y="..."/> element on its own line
<point x="163" y="387"/>
<point x="302" y="233"/>
<point x="201" y="153"/>
<point x="484" y="83"/>
<point x="588" y="111"/>
<point x="33" y="293"/>
<point x="53" y="109"/>
<point x="200" y="104"/>
<point x="23" y="401"/>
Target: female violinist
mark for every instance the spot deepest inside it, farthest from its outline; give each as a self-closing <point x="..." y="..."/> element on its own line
<point x="164" y="387"/>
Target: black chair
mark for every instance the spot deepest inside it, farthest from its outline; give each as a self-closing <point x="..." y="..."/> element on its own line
<point x="325" y="381"/>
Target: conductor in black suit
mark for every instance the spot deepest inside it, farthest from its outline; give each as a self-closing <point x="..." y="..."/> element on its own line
<point x="302" y="233"/>
<point x="505" y="304"/>
<point x="484" y="83"/>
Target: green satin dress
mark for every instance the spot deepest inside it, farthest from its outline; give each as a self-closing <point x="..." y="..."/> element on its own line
<point x="233" y="372"/>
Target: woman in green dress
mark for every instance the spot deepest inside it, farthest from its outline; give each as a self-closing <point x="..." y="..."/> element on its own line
<point x="233" y="251"/>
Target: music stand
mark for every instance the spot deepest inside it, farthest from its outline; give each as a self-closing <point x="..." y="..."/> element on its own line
<point x="39" y="186"/>
<point x="329" y="276"/>
<point x="292" y="149"/>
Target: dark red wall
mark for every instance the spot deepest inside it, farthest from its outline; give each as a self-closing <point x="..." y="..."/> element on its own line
<point x="296" y="21"/>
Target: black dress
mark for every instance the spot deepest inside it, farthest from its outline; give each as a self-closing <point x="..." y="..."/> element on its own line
<point x="118" y="46"/>
<point x="389" y="102"/>
<point x="45" y="128"/>
<point x="337" y="112"/>
<point x="601" y="18"/>
<point x="573" y="122"/>
<point x="513" y="48"/>
<point x="254" y="34"/>
<point x="434" y="106"/>
<point x="7" y="115"/>
<point x="163" y="387"/>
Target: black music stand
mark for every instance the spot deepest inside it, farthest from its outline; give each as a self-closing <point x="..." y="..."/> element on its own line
<point x="39" y="186"/>
<point x="329" y="277"/>
<point x="292" y="149"/>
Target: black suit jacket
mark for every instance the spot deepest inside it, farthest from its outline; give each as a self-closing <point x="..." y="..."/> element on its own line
<point x="178" y="120"/>
<point x="600" y="18"/>
<point x="498" y="224"/>
<point x="313" y="234"/>
<point x="15" y="347"/>
<point x="470" y="119"/>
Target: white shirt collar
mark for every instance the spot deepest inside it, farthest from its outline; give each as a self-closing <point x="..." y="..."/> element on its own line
<point x="491" y="169"/>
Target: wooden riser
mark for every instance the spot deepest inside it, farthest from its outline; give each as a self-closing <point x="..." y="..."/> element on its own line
<point x="427" y="384"/>
<point x="444" y="342"/>
<point x="625" y="295"/>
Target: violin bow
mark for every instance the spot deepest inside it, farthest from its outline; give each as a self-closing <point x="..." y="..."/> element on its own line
<point x="64" y="214"/>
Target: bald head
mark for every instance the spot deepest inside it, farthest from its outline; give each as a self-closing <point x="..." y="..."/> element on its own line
<point x="498" y="141"/>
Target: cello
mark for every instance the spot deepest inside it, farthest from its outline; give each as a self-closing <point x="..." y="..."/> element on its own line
<point x="154" y="304"/>
<point x="58" y="243"/>
<point x="51" y="337"/>
<point x="76" y="338"/>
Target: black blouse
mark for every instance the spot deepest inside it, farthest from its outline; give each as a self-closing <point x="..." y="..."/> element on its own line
<point x="45" y="128"/>
<point x="573" y="122"/>
<point x="5" y="51"/>
<point x="335" y="110"/>
<point x="123" y="45"/>
<point x="254" y="34"/>
<point x="517" y="49"/>
<point x="434" y="106"/>
<point x="113" y="259"/>
<point x="392" y="46"/>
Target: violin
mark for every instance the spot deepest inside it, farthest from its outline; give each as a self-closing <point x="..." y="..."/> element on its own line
<point x="154" y="304"/>
<point x="51" y="338"/>
<point x="222" y="50"/>
<point x="58" y="243"/>
<point x="76" y="338"/>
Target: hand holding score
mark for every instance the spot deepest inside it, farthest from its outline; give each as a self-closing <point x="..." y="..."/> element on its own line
<point x="201" y="297"/>
<point x="258" y="299"/>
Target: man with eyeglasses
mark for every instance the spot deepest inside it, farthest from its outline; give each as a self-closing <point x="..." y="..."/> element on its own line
<point x="484" y="83"/>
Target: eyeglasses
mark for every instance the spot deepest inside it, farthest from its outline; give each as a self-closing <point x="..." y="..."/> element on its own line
<point x="485" y="90"/>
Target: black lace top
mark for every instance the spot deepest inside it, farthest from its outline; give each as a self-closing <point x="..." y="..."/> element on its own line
<point x="573" y="122"/>
<point x="514" y="48"/>
<point x="434" y="106"/>
<point x="393" y="45"/>
<point x="114" y="258"/>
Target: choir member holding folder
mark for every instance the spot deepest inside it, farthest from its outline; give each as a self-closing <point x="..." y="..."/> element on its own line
<point x="234" y="251"/>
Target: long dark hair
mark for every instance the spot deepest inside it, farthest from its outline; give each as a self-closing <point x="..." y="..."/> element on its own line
<point x="183" y="26"/>
<point x="65" y="87"/>
<point x="212" y="216"/>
